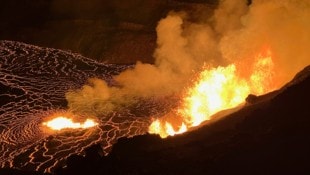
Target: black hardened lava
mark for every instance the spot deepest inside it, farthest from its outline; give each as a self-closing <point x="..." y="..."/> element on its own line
<point x="33" y="83"/>
<point x="268" y="137"/>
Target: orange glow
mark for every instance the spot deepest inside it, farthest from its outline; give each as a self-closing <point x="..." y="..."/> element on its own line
<point x="61" y="122"/>
<point x="215" y="90"/>
<point x="165" y="130"/>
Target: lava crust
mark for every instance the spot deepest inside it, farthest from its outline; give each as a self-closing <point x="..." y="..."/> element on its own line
<point x="33" y="83"/>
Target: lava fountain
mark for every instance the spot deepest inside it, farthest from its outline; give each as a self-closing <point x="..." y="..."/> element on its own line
<point x="217" y="89"/>
<point x="62" y="122"/>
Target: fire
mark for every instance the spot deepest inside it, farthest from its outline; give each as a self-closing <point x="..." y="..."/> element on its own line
<point x="61" y="122"/>
<point x="217" y="89"/>
<point x="167" y="129"/>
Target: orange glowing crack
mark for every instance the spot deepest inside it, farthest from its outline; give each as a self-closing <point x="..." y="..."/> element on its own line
<point x="61" y="122"/>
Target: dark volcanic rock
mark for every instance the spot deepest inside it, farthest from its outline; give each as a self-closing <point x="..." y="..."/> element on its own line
<point x="94" y="28"/>
<point x="33" y="84"/>
<point x="6" y="171"/>
<point x="270" y="137"/>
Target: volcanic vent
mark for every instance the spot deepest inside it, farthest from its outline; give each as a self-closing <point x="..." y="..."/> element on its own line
<point x="210" y="62"/>
<point x="203" y="66"/>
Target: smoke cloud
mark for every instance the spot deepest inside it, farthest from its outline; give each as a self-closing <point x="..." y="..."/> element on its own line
<point x="233" y="34"/>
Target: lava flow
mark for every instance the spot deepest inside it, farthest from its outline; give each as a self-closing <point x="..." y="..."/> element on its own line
<point x="61" y="122"/>
<point x="217" y="89"/>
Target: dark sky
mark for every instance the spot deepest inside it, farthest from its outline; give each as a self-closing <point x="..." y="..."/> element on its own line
<point x="95" y="28"/>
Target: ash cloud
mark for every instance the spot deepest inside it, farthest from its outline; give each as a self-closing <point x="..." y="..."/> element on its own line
<point x="235" y="33"/>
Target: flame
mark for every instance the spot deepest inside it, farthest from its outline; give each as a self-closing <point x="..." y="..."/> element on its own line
<point x="61" y="122"/>
<point x="217" y="89"/>
<point x="166" y="130"/>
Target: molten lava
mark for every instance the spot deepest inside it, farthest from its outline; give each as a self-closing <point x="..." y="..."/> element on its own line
<point x="61" y="122"/>
<point x="217" y="89"/>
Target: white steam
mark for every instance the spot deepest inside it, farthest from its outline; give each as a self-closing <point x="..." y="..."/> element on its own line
<point x="234" y="34"/>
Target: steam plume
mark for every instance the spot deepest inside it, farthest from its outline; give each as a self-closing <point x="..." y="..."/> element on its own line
<point x="233" y="34"/>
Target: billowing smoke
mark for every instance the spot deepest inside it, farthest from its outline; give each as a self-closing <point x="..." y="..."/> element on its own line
<point x="233" y="34"/>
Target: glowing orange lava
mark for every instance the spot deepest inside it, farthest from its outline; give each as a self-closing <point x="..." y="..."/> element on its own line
<point x="61" y="122"/>
<point x="217" y="89"/>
